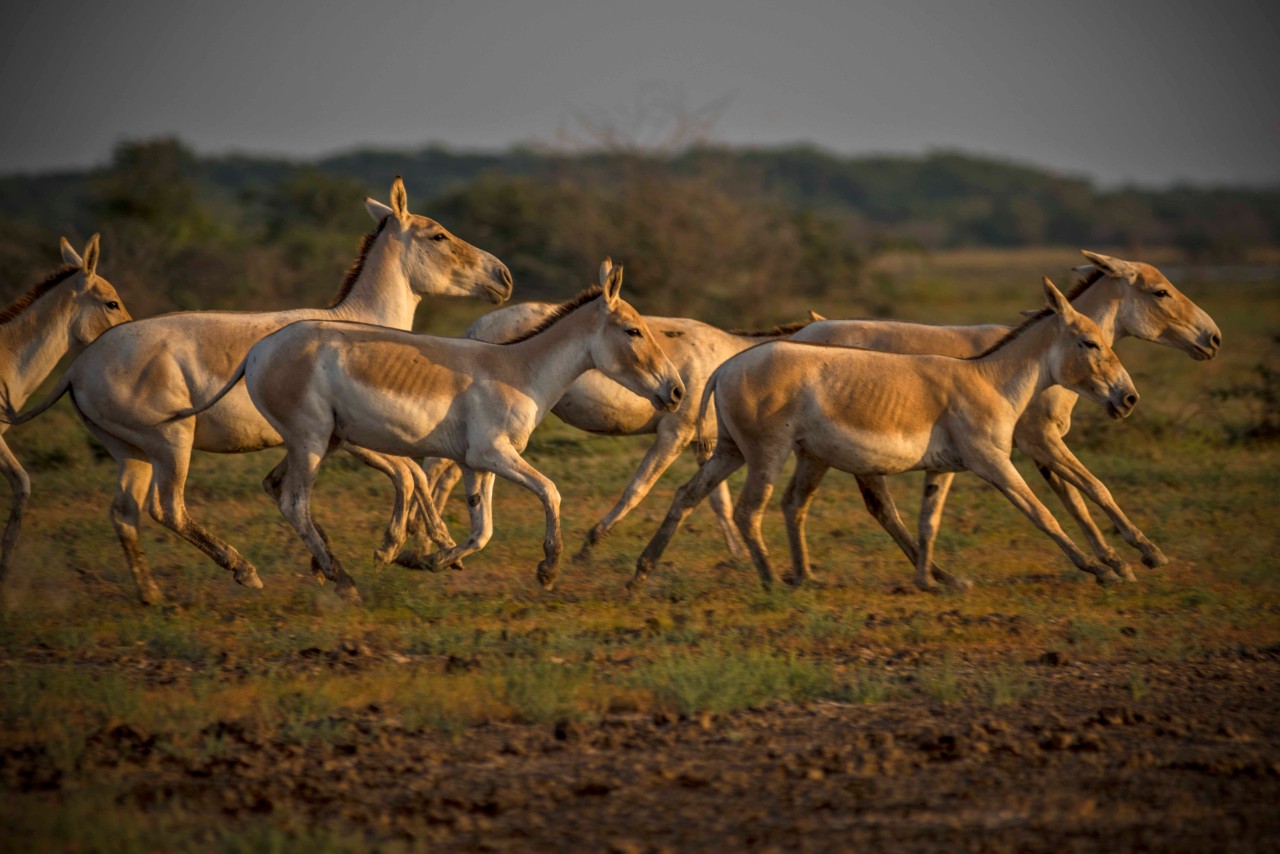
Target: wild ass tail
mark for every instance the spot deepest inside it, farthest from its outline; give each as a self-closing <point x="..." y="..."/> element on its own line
<point x="704" y="445"/>
<point x="63" y="386"/>
<point x="222" y="392"/>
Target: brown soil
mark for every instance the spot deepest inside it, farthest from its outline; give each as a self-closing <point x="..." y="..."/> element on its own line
<point x="1193" y="765"/>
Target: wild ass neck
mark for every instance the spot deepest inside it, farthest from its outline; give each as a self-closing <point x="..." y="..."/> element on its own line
<point x="1020" y="368"/>
<point x="550" y="361"/>
<point x="1101" y="303"/>
<point x="33" y="342"/>
<point x="381" y="294"/>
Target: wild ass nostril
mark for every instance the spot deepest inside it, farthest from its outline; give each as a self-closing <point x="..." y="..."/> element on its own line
<point x="677" y="393"/>
<point x="1216" y="340"/>
<point x="505" y="275"/>
<point x="1130" y="400"/>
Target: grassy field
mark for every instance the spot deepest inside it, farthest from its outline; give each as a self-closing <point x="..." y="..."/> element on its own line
<point x="450" y="652"/>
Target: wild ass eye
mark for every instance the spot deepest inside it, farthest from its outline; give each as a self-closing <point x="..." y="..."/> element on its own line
<point x="439" y="235"/>
<point x="634" y="332"/>
<point x="1090" y="345"/>
<point x="112" y="305"/>
<point x="1162" y="293"/>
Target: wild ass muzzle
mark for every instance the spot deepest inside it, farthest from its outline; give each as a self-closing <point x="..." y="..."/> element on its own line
<point x="875" y="414"/>
<point x="136" y="389"/>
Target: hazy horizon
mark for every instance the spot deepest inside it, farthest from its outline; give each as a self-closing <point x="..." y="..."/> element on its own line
<point x="1145" y="93"/>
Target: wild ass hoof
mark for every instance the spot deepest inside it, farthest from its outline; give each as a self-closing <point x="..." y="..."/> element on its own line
<point x="1153" y="558"/>
<point x="385" y="554"/>
<point x="1104" y="575"/>
<point x="547" y="575"/>
<point x="247" y="576"/>
<point x="947" y="579"/>
<point x="149" y="594"/>
<point x="807" y="579"/>
<point x="317" y="572"/>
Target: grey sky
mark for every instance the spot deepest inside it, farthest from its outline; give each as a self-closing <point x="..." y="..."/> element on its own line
<point x="1148" y="92"/>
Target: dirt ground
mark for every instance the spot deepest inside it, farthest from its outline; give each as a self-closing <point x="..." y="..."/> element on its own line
<point x="1192" y="765"/>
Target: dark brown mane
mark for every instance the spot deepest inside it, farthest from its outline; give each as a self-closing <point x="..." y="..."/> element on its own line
<point x="560" y="311"/>
<point x="21" y="304"/>
<point x="776" y="332"/>
<point x="1080" y="287"/>
<point x="354" y="271"/>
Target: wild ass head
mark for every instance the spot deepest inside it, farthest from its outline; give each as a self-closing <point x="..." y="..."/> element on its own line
<point x="95" y="305"/>
<point x="435" y="261"/>
<point x="1154" y="310"/>
<point x="1081" y="359"/>
<point x="624" y="350"/>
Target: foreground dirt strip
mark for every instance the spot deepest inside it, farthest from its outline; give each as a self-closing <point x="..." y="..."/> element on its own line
<point x="1194" y="765"/>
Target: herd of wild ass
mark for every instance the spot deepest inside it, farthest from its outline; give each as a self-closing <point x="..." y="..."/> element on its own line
<point x="870" y="397"/>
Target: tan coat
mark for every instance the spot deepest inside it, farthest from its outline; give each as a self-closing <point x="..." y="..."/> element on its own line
<point x="61" y="315"/>
<point x="875" y="414"/>
<point x="130" y="386"/>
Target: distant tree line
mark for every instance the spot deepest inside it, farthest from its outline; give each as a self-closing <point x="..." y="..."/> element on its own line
<point x="703" y="229"/>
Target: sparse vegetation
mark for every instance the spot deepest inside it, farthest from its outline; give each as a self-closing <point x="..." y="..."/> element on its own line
<point x="447" y="658"/>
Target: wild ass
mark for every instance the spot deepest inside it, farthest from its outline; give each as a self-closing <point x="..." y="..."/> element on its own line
<point x="319" y="383"/>
<point x="874" y="414"/>
<point x="128" y="386"/>
<point x="60" y="315"/>
<point x="1125" y="299"/>
<point x="596" y="404"/>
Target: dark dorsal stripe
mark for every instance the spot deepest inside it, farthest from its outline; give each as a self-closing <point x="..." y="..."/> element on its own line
<point x="1080" y="287"/>
<point x="354" y="271"/>
<point x="23" y="302"/>
<point x="776" y="332"/>
<point x="559" y="312"/>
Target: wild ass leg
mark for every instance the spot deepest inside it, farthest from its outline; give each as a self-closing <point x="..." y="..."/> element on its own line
<point x="403" y="484"/>
<point x="300" y="468"/>
<point x="507" y="463"/>
<point x="722" y="505"/>
<point x="936" y="486"/>
<point x="724" y="462"/>
<point x="273" y="483"/>
<point x="657" y="459"/>
<point x="171" y="460"/>
<point x="479" y="488"/>
<point x="879" y="501"/>
<point x="1074" y="502"/>
<point x="1000" y="473"/>
<point x="748" y="513"/>
<point x="1049" y="450"/>
<point x="421" y="517"/>
<point x="795" y="509"/>
<point x="442" y="476"/>
<point x="21" y="486"/>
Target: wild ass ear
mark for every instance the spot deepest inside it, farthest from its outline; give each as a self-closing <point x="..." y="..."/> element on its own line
<point x="605" y="266"/>
<point x="814" y="317"/>
<point x="377" y="210"/>
<point x="90" y="257"/>
<point x="69" y="255"/>
<point x="399" y="200"/>
<point x="1112" y="266"/>
<point x="1057" y="302"/>
<point x="612" y="285"/>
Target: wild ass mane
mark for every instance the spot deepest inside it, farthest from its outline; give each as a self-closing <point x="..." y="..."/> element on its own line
<point x="559" y="312"/>
<point x="23" y="302"/>
<point x="354" y="271"/>
<point x="776" y="332"/>
<point x="1079" y="288"/>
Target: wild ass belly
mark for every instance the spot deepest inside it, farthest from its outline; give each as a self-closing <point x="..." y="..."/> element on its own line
<point x="402" y="425"/>
<point x="597" y="404"/>
<point x="234" y="425"/>
<point x="881" y="452"/>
